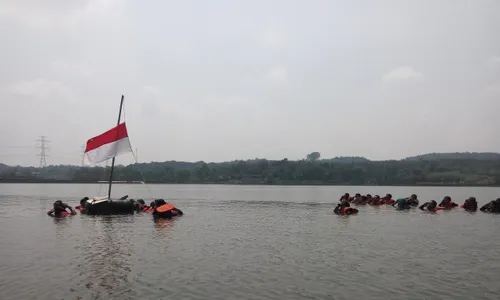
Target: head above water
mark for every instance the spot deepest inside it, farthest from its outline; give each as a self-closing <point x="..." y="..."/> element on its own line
<point x="59" y="205"/>
<point x="388" y="196"/>
<point x="413" y="197"/>
<point x="447" y="198"/>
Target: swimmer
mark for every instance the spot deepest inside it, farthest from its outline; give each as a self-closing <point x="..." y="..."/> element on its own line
<point x="401" y="203"/>
<point x="413" y="200"/>
<point x="141" y="205"/>
<point x="357" y="199"/>
<point x="387" y="199"/>
<point x="492" y="206"/>
<point x="341" y="205"/>
<point x="363" y="200"/>
<point x="376" y="200"/>
<point x="342" y="209"/>
<point x="345" y="197"/>
<point x="429" y="206"/>
<point x="158" y="212"/>
<point x="59" y="209"/>
<point x="81" y="207"/>
<point x="470" y="204"/>
<point x="447" y="203"/>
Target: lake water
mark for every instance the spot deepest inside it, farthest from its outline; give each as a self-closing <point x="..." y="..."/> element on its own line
<point x="247" y="242"/>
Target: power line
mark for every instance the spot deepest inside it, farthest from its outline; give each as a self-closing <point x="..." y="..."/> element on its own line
<point x="43" y="151"/>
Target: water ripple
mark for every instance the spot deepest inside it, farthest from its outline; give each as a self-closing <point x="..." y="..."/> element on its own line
<point x="246" y="243"/>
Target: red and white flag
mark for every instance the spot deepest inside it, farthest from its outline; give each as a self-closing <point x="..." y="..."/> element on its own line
<point x="112" y="143"/>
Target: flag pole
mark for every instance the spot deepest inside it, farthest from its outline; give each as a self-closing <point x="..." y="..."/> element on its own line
<point x="113" y="161"/>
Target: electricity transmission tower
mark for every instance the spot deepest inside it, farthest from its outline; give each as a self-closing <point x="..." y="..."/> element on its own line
<point x="43" y="151"/>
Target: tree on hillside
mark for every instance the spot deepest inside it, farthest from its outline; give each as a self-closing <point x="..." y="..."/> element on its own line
<point x="313" y="156"/>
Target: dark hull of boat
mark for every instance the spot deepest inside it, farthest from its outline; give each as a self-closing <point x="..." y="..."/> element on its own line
<point x="117" y="207"/>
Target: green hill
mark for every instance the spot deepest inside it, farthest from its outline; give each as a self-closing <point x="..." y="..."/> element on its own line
<point x="481" y="169"/>
<point x="457" y="155"/>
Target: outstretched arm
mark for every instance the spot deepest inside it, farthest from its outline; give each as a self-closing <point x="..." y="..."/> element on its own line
<point x="423" y="206"/>
<point x="485" y="207"/>
<point x="73" y="212"/>
<point x="70" y="208"/>
<point x="51" y="212"/>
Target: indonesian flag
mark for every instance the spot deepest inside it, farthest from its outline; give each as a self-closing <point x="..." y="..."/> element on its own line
<point x="112" y="143"/>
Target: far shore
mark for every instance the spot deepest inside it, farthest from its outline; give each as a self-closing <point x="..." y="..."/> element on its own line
<point x="54" y="181"/>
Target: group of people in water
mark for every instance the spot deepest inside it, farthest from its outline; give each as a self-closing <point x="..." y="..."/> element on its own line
<point x="404" y="203"/>
<point x="159" y="208"/>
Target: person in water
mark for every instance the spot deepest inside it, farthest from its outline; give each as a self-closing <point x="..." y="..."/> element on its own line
<point x="447" y="203"/>
<point x="346" y="197"/>
<point x="81" y="207"/>
<point x="363" y="200"/>
<point x="59" y="209"/>
<point x="429" y="206"/>
<point x="375" y="200"/>
<point x="357" y="199"/>
<point x="338" y="209"/>
<point x="344" y="208"/>
<point x="168" y="214"/>
<point x="141" y="206"/>
<point x="387" y="199"/>
<point x="470" y="204"/>
<point x="492" y="206"/>
<point x="402" y="203"/>
<point x="413" y="200"/>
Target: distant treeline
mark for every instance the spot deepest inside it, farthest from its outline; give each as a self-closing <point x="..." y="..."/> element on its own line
<point x="480" y="169"/>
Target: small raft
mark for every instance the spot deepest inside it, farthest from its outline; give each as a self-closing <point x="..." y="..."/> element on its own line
<point x="105" y="206"/>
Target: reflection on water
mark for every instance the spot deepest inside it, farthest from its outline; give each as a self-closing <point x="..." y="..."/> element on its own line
<point x="164" y="224"/>
<point x="104" y="259"/>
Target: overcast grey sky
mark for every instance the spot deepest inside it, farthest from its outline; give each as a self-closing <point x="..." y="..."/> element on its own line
<point x="222" y="80"/>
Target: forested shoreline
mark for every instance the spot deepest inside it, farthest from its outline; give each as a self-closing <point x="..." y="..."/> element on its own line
<point x="437" y="169"/>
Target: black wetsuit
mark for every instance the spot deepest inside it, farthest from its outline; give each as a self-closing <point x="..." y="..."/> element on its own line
<point x="413" y="202"/>
<point x="402" y="203"/>
<point x="338" y="209"/>
<point x="492" y="206"/>
<point x="429" y="206"/>
<point x="58" y="208"/>
<point x="470" y="204"/>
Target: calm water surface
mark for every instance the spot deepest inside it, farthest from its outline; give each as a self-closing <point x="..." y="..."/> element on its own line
<point x="247" y="242"/>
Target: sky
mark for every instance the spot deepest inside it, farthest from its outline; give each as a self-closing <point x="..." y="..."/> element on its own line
<point x="224" y="80"/>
